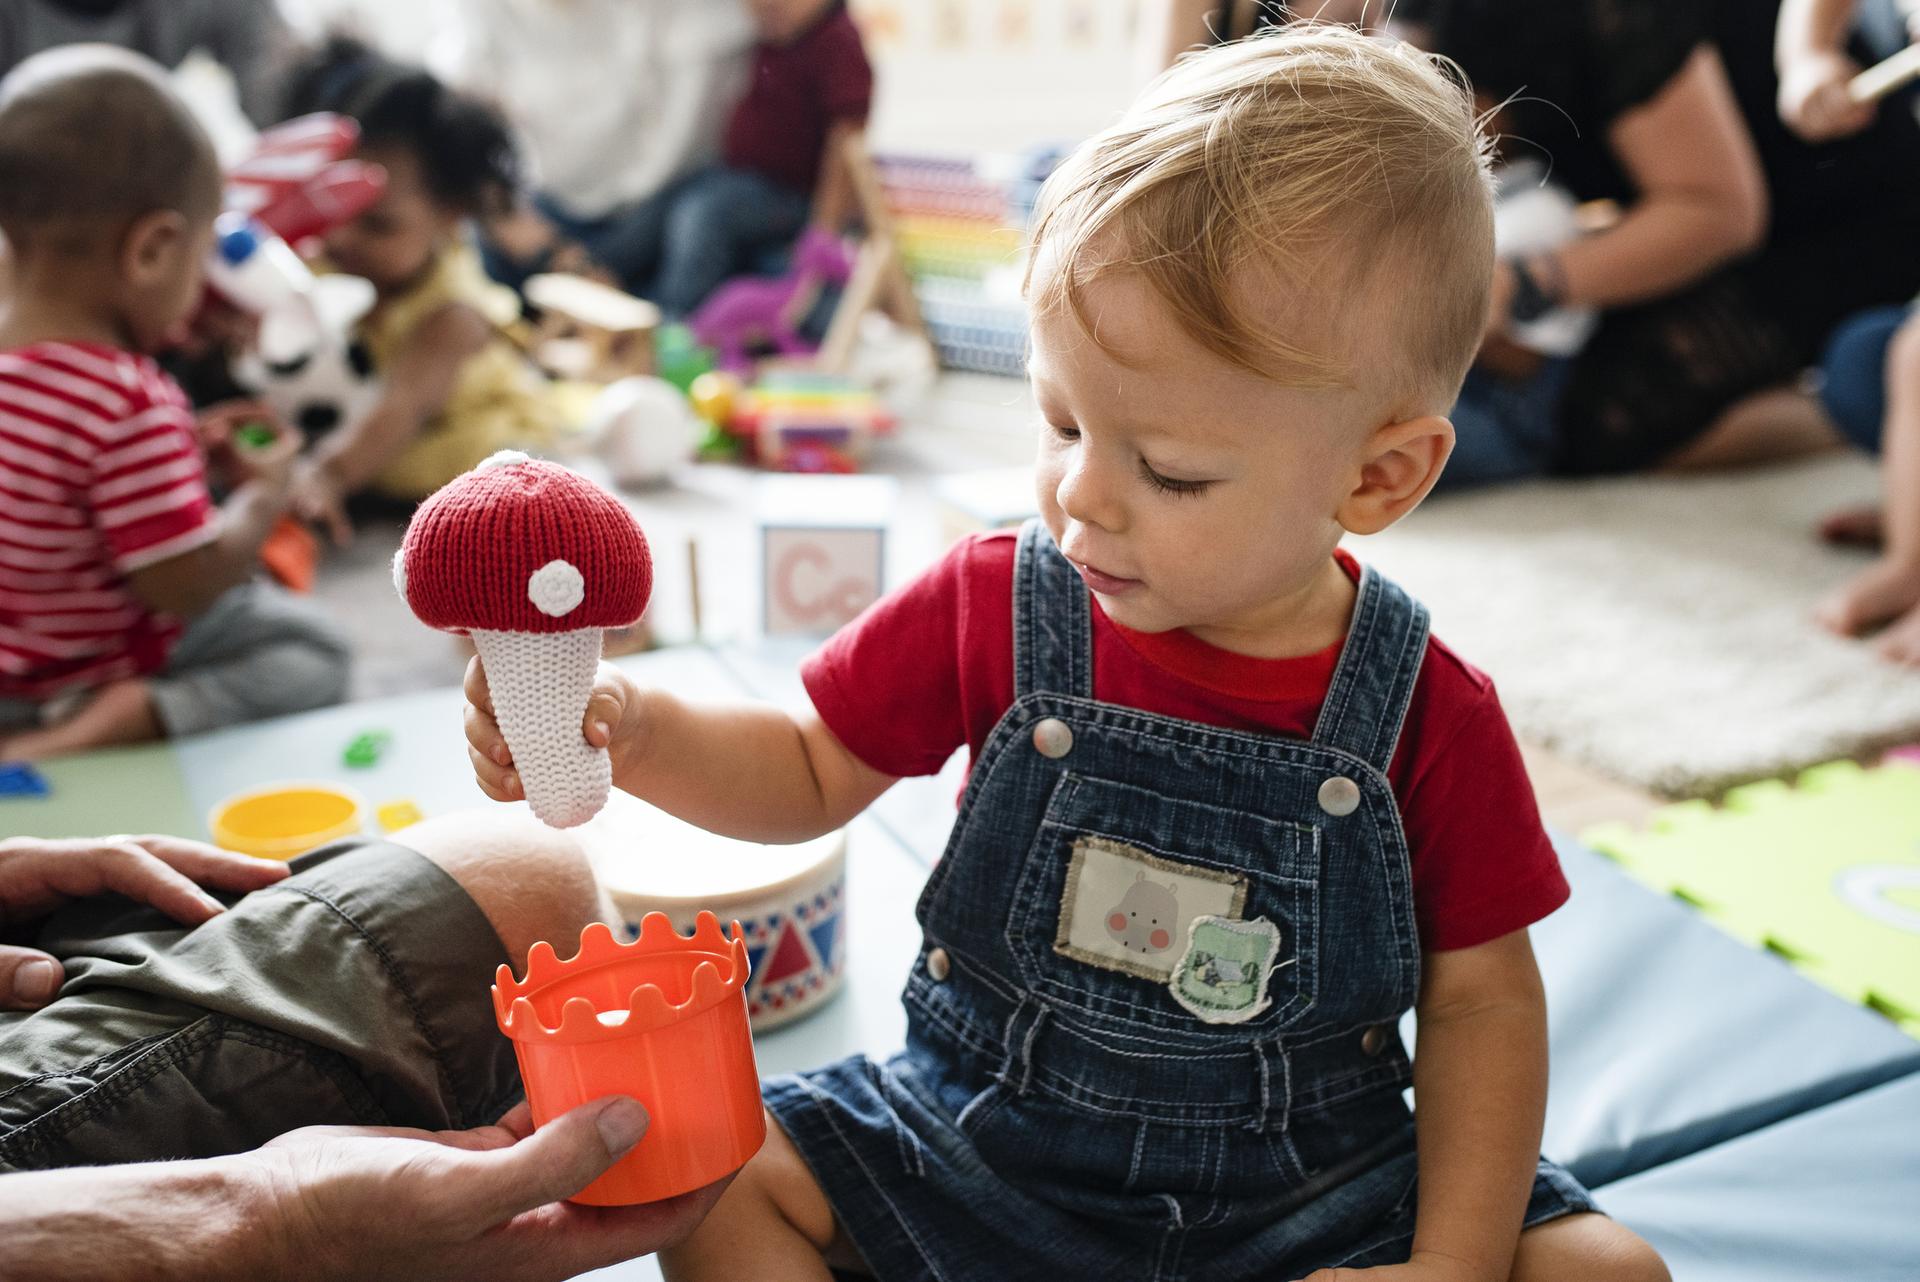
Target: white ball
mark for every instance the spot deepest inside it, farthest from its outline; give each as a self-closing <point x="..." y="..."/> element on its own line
<point x="643" y="428"/>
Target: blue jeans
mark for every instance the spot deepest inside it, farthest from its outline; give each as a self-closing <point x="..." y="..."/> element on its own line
<point x="678" y="245"/>
<point x="1854" y="373"/>
<point x="1505" y="430"/>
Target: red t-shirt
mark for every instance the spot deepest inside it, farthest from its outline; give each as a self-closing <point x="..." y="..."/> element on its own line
<point x="799" y="91"/>
<point x="930" y="667"/>
<point x="100" y="475"/>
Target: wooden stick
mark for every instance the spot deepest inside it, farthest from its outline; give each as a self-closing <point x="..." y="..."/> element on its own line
<point x="693" y="584"/>
<point x="1883" y="78"/>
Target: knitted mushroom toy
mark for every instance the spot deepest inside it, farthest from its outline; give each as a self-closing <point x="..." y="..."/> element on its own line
<point x="534" y="562"/>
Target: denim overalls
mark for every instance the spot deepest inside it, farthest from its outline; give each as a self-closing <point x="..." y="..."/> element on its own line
<point x="1153" y="1031"/>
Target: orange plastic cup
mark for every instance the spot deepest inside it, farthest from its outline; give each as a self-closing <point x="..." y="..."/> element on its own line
<point x="663" y="1019"/>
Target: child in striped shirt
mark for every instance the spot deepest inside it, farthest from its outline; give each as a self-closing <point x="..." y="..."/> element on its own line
<point x="128" y="607"/>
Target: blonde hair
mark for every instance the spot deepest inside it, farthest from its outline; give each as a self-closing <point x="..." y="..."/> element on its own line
<point x="1345" y="164"/>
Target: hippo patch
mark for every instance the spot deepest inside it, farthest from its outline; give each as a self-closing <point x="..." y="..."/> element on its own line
<point x="1127" y="909"/>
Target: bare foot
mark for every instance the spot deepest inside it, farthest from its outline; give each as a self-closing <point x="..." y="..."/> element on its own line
<point x="1885" y="591"/>
<point x="1900" y="643"/>
<point x="118" y="713"/>
<point x="1859" y="527"/>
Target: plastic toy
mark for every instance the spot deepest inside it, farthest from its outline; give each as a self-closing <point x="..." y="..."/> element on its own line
<point x="642" y="428"/>
<point x="365" y="749"/>
<point x="1825" y="875"/>
<point x="285" y="820"/>
<point x="799" y="422"/>
<point x="678" y="357"/>
<point x="534" y="562"/>
<point x="297" y="182"/>
<point x="397" y="814"/>
<point x="714" y="395"/>
<point x="662" y="1019"/>
<point x="254" y="436"/>
<point x="18" y="779"/>
<point x="760" y="311"/>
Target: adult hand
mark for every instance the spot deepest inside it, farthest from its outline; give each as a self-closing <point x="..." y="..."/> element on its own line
<point x="363" y="1204"/>
<point x="612" y="721"/>
<point x="1814" y="101"/>
<point x="37" y="876"/>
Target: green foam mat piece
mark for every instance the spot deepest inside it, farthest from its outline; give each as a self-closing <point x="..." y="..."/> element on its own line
<point x="134" y="790"/>
<point x="1825" y="873"/>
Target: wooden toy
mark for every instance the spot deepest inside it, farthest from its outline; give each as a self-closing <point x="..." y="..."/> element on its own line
<point x="823" y="550"/>
<point x="794" y="421"/>
<point x="286" y="819"/>
<point x="661" y="1018"/>
<point x="591" y="331"/>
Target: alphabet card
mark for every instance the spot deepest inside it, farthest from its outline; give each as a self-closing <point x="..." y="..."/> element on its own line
<point x="823" y="543"/>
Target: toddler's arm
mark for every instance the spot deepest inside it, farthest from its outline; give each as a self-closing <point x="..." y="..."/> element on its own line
<point x="192" y="581"/>
<point x="1480" y="1092"/>
<point x="422" y="377"/>
<point x="748" y="771"/>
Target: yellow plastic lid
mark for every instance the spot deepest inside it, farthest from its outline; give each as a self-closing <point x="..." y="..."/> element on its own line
<point x="286" y="819"/>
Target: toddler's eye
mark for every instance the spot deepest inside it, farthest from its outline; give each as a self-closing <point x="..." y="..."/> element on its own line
<point x="1063" y="433"/>
<point x="1169" y="485"/>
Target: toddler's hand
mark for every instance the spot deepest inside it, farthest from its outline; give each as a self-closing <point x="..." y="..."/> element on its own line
<point x="37" y="876"/>
<point x="1814" y="101"/>
<point x="612" y="722"/>
<point x="318" y="500"/>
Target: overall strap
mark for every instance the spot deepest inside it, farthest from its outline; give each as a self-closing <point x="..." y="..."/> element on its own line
<point x="1052" y="622"/>
<point x="1378" y="668"/>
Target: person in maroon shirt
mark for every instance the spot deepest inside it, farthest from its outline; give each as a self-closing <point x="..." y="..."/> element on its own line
<point x="811" y="86"/>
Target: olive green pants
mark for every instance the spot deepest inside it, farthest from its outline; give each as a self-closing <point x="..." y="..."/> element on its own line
<point x="355" y="991"/>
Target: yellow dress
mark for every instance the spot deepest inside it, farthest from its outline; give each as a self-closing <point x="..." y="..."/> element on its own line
<point x="499" y="401"/>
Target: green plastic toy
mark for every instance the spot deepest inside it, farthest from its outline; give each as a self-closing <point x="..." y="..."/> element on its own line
<point x="365" y="750"/>
<point x="255" y="436"/>
<point x="678" y="358"/>
<point x="1826" y="875"/>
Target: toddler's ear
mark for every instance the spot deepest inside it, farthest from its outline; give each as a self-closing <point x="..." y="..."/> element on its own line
<point x="1399" y="464"/>
<point x="153" y="240"/>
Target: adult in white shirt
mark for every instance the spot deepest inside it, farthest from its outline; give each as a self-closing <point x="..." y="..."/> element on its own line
<point x="615" y="99"/>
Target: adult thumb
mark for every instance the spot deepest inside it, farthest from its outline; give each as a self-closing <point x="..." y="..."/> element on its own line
<point x="28" y="978"/>
<point x="560" y="1158"/>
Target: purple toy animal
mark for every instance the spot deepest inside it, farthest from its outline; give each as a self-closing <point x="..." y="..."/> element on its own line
<point x="768" y="309"/>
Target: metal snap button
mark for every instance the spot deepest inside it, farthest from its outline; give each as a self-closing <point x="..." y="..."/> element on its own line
<point x="1374" y="1040"/>
<point x="1339" y="796"/>
<point x="939" y="965"/>
<point x="1053" y="738"/>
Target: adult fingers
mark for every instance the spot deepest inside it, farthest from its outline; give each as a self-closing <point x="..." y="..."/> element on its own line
<point x="517" y="1120"/>
<point x="127" y="869"/>
<point x="554" y="1162"/>
<point x="212" y="866"/>
<point x="28" y="978"/>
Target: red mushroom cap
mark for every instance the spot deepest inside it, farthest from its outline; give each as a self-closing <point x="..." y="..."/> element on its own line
<point x="520" y="545"/>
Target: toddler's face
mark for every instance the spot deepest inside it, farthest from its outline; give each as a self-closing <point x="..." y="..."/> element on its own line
<point x="1189" y="493"/>
<point x="166" y="286"/>
<point x="779" y="21"/>
<point x="393" y="241"/>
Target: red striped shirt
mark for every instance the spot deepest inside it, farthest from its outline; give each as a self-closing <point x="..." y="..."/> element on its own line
<point x="100" y="475"/>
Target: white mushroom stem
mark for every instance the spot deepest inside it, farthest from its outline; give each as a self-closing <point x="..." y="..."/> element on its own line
<point x="541" y="682"/>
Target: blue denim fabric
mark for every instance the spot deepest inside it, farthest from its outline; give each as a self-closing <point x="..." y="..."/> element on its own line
<point x="680" y="244"/>
<point x="1853" y="383"/>
<point x="1053" y="1119"/>
<point x="1505" y="430"/>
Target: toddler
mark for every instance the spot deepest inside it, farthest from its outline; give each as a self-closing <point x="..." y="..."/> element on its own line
<point x="109" y="539"/>
<point x="1871" y="388"/>
<point x="1231" y="811"/>
<point x="456" y="383"/>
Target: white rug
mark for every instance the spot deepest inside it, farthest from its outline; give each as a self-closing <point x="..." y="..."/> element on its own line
<point x="1659" y="630"/>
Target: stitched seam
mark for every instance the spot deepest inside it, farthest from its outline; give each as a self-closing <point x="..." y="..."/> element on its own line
<point x="823" y="1102"/>
<point x="414" y="1011"/>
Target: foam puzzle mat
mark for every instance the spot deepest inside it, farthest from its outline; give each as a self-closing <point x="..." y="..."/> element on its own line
<point x="1824" y="873"/>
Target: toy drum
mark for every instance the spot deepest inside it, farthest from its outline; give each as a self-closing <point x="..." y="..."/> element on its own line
<point x="790" y="901"/>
